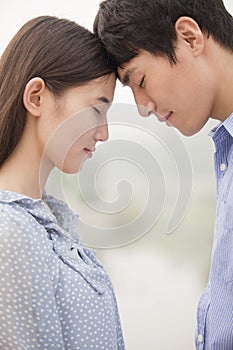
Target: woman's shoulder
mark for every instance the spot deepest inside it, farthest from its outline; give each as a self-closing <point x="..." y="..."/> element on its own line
<point x="18" y="217"/>
<point x="22" y="228"/>
<point x="13" y="209"/>
<point x="24" y="241"/>
<point x="13" y="214"/>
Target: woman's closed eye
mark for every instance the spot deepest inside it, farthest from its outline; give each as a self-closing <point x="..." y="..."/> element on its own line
<point x="97" y="111"/>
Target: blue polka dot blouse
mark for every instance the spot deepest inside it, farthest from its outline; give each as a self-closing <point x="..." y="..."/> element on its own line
<point x="54" y="293"/>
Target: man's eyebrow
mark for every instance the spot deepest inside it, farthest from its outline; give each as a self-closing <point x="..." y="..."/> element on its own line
<point x="126" y="76"/>
<point x="103" y="99"/>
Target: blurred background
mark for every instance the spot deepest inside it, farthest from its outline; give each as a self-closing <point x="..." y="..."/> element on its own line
<point x="158" y="277"/>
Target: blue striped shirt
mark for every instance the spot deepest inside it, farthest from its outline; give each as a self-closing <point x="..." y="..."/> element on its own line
<point x="215" y="309"/>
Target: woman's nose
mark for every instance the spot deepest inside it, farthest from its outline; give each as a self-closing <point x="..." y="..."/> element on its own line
<point x="102" y="132"/>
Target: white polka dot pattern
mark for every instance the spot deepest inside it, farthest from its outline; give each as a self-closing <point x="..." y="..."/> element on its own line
<point x="54" y="293"/>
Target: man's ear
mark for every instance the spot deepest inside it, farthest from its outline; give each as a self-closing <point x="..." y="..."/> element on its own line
<point x="33" y="94"/>
<point x="189" y="31"/>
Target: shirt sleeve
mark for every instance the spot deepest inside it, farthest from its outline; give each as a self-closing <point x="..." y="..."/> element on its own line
<point x="28" y="272"/>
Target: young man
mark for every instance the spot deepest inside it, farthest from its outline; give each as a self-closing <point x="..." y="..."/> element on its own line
<point x="177" y="57"/>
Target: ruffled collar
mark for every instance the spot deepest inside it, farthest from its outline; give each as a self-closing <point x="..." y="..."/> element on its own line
<point x="45" y="209"/>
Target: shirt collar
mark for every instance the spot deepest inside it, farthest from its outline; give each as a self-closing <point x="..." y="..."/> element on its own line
<point x="219" y="132"/>
<point x="228" y="124"/>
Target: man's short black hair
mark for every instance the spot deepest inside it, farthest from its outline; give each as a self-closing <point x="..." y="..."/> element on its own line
<point x="126" y="26"/>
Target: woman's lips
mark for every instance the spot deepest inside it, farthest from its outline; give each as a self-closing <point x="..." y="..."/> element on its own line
<point x="89" y="152"/>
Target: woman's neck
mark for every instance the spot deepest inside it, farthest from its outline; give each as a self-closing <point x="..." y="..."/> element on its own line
<point x="24" y="171"/>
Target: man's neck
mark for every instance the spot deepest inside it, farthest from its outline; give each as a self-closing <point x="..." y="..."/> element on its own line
<point x="221" y="61"/>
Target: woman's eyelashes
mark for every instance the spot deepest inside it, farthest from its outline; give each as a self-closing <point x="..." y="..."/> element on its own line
<point x="97" y="111"/>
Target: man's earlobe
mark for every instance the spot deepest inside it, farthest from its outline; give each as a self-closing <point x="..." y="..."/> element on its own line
<point x="32" y="95"/>
<point x="187" y="29"/>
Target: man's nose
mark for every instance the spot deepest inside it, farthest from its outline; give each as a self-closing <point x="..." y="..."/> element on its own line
<point x="144" y="103"/>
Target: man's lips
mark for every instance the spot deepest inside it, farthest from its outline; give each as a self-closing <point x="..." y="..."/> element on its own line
<point x="160" y="117"/>
<point x="165" y="118"/>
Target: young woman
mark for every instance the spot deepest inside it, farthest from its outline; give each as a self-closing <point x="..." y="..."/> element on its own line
<point x="55" y="87"/>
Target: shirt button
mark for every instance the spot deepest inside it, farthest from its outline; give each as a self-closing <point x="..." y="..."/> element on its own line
<point x="200" y="338"/>
<point x="223" y="167"/>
